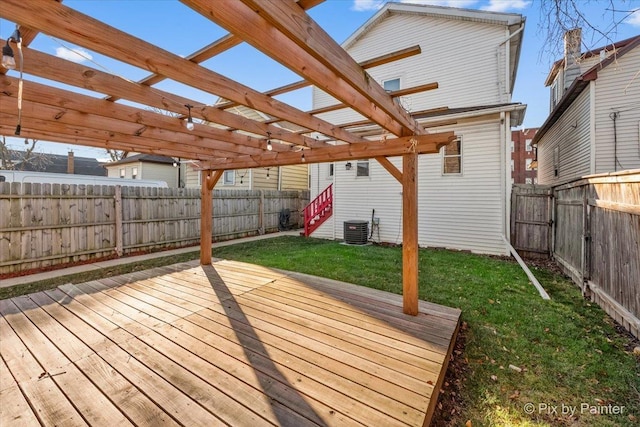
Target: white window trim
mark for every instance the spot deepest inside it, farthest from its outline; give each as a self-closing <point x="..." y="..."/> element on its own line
<point x="232" y="181"/>
<point x="368" y="175"/>
<point x="461" y="155"/>
<point x="398" y="78"/>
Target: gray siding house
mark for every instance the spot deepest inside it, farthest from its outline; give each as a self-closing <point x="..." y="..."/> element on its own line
<point x="594" y="123"/>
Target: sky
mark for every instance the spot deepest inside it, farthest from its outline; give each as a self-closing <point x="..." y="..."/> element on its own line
<point x="178" y="29"/>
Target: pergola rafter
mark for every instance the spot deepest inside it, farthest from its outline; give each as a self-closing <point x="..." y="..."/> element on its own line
<point x="224" y="140"/>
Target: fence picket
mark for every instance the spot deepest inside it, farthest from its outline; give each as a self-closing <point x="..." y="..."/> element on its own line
<point x="44" y="225"/>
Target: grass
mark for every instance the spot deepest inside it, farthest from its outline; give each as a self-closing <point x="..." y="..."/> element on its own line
<point x="568" y="349"/>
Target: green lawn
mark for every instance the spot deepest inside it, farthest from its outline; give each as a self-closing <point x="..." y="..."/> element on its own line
<point x="567" y="349"/>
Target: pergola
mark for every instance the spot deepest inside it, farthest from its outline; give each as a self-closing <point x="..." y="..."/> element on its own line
<point x="220" y="139"/>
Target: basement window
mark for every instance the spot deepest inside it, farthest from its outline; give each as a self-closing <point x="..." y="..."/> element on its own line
<point x="362" y="168"/>
<point x="452" y="158"/>
<point x="229" y="178"/>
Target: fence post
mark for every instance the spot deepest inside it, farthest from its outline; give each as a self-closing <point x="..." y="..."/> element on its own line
<point x="118" y="219"/>
<point x="261" y="213"/>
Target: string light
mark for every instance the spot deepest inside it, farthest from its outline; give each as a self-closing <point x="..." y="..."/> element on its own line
<point x="189" y="124"/>
<point x="269" y="146"/>
<point x="9" y="62"/>
<point x="302" y="158"/>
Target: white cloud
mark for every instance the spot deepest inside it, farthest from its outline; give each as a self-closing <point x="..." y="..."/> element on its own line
<point x="505" y="5"/>
<point x="363" y="5"/>
<point x="77" y="55"/>
<point x="634" y="19"/>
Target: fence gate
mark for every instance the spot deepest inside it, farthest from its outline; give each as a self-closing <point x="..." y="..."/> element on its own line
<point x="531" y="220"/>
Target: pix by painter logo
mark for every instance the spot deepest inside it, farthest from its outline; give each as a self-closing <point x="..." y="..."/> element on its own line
<point x="570" y="410"/>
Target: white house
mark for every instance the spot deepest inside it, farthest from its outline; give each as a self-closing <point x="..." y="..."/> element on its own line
<point x="145" y="166"/>
<point x="464" y="190"/>
<point x="594" y="123"/>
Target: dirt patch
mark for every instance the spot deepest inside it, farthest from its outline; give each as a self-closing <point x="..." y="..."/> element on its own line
<point x="450" y="404"/>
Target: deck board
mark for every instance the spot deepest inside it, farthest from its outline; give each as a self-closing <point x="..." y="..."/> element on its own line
<point x="231" y="343"/>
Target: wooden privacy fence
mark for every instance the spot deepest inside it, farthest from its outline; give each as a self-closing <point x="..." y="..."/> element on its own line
<point x="594" y="229"/>
<point x="47" y="224"/>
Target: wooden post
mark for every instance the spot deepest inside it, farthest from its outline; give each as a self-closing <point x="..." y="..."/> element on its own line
<point x="206" y="214"/>
<point x="410" y="234"/>
<point x="118" y="219"/>
<point x="261" y="227"/>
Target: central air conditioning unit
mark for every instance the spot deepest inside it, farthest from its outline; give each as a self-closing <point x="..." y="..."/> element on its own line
<point x="355" y="232"/>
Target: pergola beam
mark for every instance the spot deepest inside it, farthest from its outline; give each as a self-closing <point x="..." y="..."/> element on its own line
<point x="421" y="144"/>
<point x="299" y="28"/>
<point x="90" y="33"/>
<point x="259" y="29"/>
<point x="223" y="44"/>
<point x="43" y="102"/>
<point x="369" y="63"/>
<point x="67" y="72"/>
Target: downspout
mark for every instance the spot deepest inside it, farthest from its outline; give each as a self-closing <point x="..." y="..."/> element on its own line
<point x="507" y="57"/>
<point x="505" y="180"/>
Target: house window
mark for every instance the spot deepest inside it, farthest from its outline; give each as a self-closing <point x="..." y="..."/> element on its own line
<point x="528" y="144"/>
<point x="513" y="146"/>
<point x="529" y="164"/>
<point x="554" y="94"/>
<point x="122" y="173"/>
<point x="362" y="168"/>
<point x="535" y="180"/>
<point x="452" y="157"/>
<point x="229" y="178"/>
<point x="331" y="167"/>
<point x="513" y="165"/>
<point x="556" y="161"/>
<point x="391" y="85"/>
<point x="134" y="173"/>
<point x="527" y="180"/>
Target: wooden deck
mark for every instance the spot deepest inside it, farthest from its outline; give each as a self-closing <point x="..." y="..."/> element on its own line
<point x="228" y="344"/>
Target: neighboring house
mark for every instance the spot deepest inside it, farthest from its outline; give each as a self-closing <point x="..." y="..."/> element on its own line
<point x="524" y="168"/>
<point x="55" y="163"/>
<point x="294" y="177"/>
<point x="464" y="190"/>
<point x="594" y="124"/>
<point x="146" y="166"/>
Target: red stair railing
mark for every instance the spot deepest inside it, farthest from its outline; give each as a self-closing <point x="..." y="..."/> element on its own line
<point x="318" y="211"/>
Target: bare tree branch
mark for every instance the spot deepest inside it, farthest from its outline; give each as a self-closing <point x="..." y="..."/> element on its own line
<point x="559" y="16"/>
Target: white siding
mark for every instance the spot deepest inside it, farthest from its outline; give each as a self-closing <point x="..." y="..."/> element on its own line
<point x="463" y="211"/>
<point x="618" y="90"/>
<point x="456" y="211"/>
<point x="158" y="171"/>
<point x="467" y="72"/>
<point x="571" y="134"/>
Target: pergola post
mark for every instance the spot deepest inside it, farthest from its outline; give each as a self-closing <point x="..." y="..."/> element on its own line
<point x="410" y="234"/>
<point x="209" y="180"/>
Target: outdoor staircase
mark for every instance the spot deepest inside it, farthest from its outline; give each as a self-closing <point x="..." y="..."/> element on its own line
<point x="318" y="211"/>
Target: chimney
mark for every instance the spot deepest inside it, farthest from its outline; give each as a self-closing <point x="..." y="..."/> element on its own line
<point x="70" y="163"/>
<point x="572" y="45"/>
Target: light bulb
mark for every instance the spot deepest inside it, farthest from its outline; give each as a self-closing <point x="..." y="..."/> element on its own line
<point x="190" y="125"/>
<point x="269" y="146"/>
<point x="8" y="61"/>
<point x="302" y="158"/>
